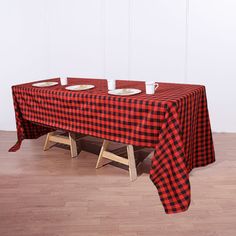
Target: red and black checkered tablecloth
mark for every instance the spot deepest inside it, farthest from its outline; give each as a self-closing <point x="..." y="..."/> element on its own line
<point x="174" y="121"/>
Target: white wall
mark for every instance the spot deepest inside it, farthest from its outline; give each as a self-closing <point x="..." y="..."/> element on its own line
<point x="212" y="57"/>
<point x="158" y="40"/>
<point x="187" y="41"/>
<point x="22" y="50"/>
<point x="76" y="38"/>
<point x="116" y="39"/>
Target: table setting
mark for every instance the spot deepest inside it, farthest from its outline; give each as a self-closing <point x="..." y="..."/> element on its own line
<point x="150" y="87"/>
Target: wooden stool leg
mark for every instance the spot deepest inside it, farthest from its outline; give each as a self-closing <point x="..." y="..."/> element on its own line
<point x="48" y="143"/>
<point x="132" y="164"/>
<point x="100" y="157"/>
<point x="73" y="146"/>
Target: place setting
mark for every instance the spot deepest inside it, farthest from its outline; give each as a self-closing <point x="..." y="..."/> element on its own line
<point x="77" y="87"/>
<point x="64" y="82"/>
<point x="150" y="88"/>
<point x="45" y="84"/>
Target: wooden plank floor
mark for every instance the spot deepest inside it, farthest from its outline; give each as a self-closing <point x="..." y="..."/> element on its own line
<point x="50" y="194"/>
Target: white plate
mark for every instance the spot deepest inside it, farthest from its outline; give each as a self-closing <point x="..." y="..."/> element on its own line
<point x="45" y="84"/>
<point x="80" y="87"/>
<point x="124" y="92"/>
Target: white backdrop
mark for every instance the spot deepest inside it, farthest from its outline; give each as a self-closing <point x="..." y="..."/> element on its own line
<point x="186" y="41"/>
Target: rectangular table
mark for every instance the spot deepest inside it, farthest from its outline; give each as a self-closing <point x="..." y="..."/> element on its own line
<point x="174" y="121"/>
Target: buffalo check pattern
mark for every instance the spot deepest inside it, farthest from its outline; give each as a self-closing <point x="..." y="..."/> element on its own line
<point x="174" y="121"/>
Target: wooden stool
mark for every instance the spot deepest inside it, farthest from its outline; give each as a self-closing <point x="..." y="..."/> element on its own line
<point x="53" y="138"/>
<point x="130" y="162"/>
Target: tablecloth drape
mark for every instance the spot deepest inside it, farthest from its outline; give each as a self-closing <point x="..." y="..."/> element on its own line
<point x="174" y="121"/>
